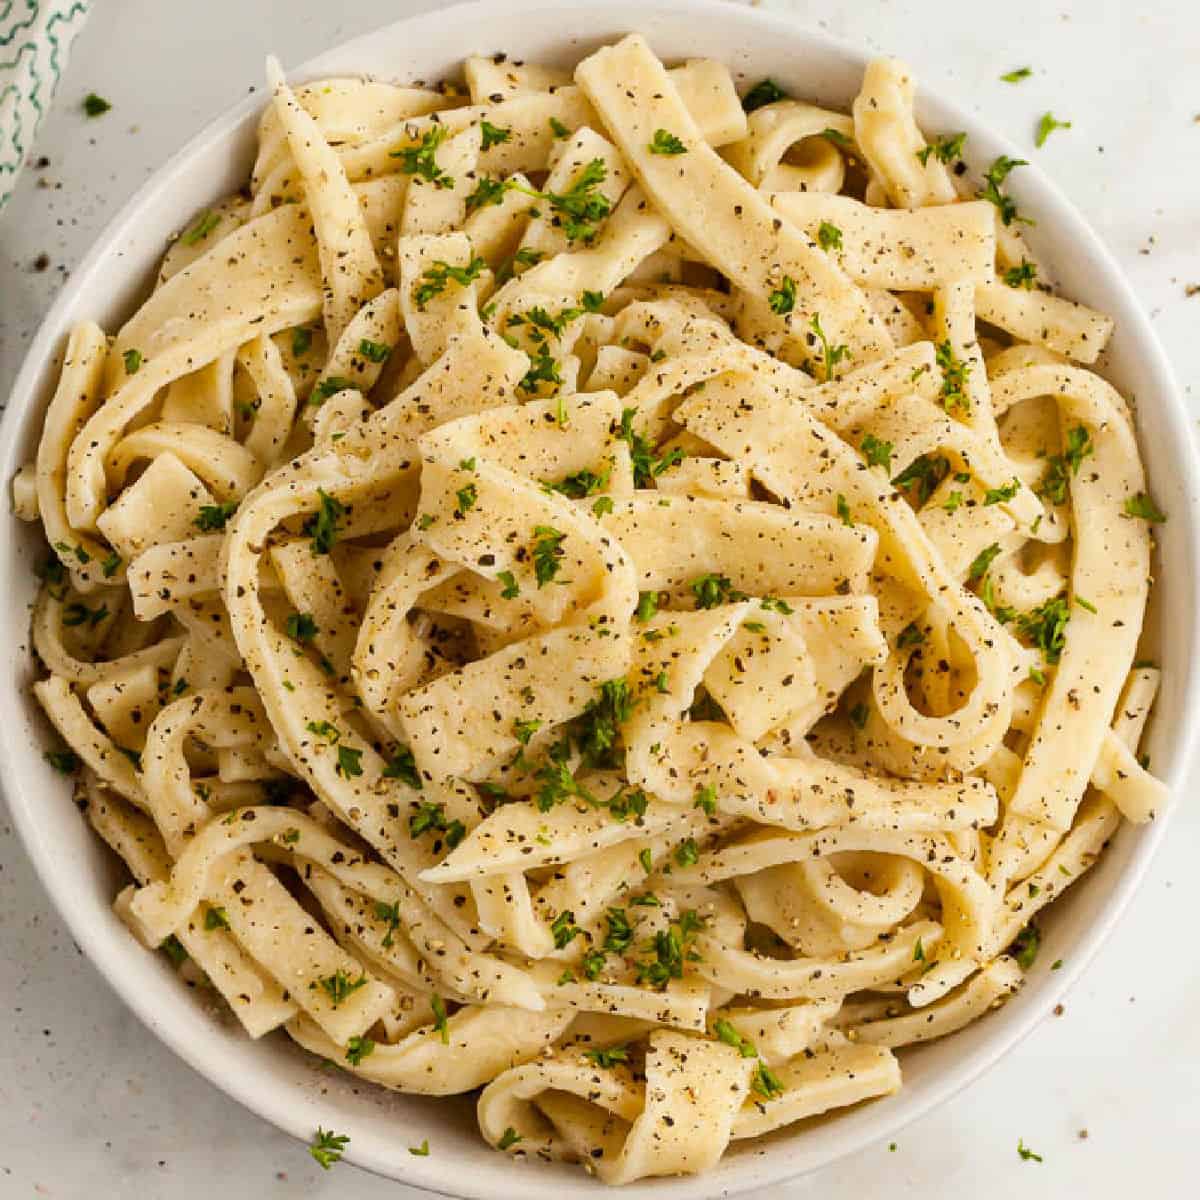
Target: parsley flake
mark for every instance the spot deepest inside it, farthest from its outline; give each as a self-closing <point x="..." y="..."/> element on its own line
<point x="327" y="1147"/>
<point x="205" y="224"/>
<point x="493" y="135"/>
<point x="766" y="91"/>
<point x="213" y="517"/>
<point x="830" y="355"/>
<point x="1141" y="506"/>
<point x="829" y="236"/>
<point x="1046" y="126"/>
<point x="420" y="160"/>
<point x="666" y="142"/>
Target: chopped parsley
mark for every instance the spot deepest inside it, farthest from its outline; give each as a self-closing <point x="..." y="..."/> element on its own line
<point x="706" y="798"/>
<point x="619" y="932"/>
<point x="1143" y="507"/>
<point x="327" y="1147"/>
<point x="391" y="914"/>
<point x="523" y="731"/>
<point x="339" y="986"/>
<point x="765" y="91"/>
<point x="216" y="918"/>
<point x="625" y="804"/>
<point x="436" y="276"/>
<point x="955" y="372"/>
<point x="1002" y="494"/>
<point x="330" y="386"/>
<point x="112" y="564"/>
<point x="1025" y="1152"/>
<point x="466" y="497"/>
<point x="687" y="853"/>
<point x="493" y="135"/>
<point x="429" y="816"/>
<point x="830" y="355"/>
<point x="647" y="606"/>
<point x="133" y="361"/>
<point x="646" y="465"/>
<point x="357" y="1048"/>
<point x="403" y="766"/>
<point x="95" y="106"/>
<point x="421" y="1151"/>
<point x="671" y="948"/>
<point x="564" y="929"/>
<point x="609" y="1057"/>
<point x="829" y="236"/>
<point x="349" y="762"/>
<point x="599" y="725"/>
<point x="79" y="614"/>
<point x="1053" y="486"/>
<point x="593" y="964"/>
<point x="1022" y="276"/>
<point x="837" y="138"/>
<point x="487" y="192"/>
<point x="726" y="1033"/>
<point x="511" y="589"/>
<point x="877" y="452"/>
<point x="558" y="784"/>
<point x="581" y="484"/>
<point x="665" y="142"/>
<point x="995" y="176"/>
<point x="783" y="299"/>
<point x="1017" y="75"/>
<point x="79" y="552"/>
<point x="53" y="574"/>
<point x="843" y="511"/>
<point x="441" y="1024"/>
<point x="173" y="949"/>
<point x="375" y="352"/>
<point x="582" y="207"/>
<point x="983" y="560"/>
<point x="543" y="369"/>
<point x="509" y="1138"/>
<point x="64" y="761"/>
<point x="547" y="553"/>
<point x="301" y="627"/>
<point x="213" y="517"/>
<point x="205" y="224"/>
<point x="558" y="128"/>
<point x="765" y="1082"/>
<point x="420" y="160"/>
<point x="1046" y="627"/>
<point x="1046" y="126"/>
<point x="711" y="591"/>
<point x="923" y="476"/>
<point x="322" y="526"/>
<point x="946" y="149"/>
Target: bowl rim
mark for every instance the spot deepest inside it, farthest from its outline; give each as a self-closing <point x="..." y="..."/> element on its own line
<point x="299" y="1115"/>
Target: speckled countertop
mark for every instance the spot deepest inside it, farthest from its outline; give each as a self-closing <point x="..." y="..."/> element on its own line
<point x="94" y="1107"/>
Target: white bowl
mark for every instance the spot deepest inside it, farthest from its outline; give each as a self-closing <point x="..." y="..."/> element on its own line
<point x="273" y="1077"/>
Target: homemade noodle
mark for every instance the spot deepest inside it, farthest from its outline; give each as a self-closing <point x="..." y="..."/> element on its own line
<point x="572" y="588"/>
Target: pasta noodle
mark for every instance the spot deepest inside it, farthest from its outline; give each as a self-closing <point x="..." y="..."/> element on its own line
<point x="575" y="594"/>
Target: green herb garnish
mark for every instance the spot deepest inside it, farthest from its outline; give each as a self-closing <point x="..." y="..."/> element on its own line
<point x="665" y="142"/>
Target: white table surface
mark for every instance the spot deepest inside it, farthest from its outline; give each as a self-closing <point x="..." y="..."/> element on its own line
<point x="93" y="1106"/>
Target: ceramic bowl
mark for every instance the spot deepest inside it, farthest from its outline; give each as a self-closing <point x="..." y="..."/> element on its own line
<point x="274" y="1078"/>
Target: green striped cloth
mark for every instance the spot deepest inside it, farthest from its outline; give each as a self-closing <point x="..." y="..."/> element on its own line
<point x="35" y="38"/>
